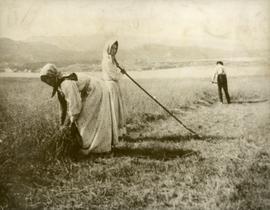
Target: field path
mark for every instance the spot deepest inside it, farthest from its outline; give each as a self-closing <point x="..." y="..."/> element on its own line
<point x="234" y="153"/>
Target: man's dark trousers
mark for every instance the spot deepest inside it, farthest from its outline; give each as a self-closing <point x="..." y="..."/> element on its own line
<point x="222" y="84"/>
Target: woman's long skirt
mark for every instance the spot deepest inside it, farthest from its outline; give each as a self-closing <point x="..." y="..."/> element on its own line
<point x="96" y="123"/>
<point x="118" y="108"/>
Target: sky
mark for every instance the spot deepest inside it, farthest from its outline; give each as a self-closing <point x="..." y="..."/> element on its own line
<point x="209" y="23"/>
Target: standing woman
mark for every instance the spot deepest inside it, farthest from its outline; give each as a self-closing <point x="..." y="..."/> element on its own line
<point x="221" y="78"/>
<point x="111" y="76"/>
<point x="86" y="104"/>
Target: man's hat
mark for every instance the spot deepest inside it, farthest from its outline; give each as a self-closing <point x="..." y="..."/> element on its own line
<point x="220" y="62"/>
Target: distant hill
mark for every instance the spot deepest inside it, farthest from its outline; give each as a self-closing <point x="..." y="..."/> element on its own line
<point x="131" y="47"/>
<point x="31" y="52"/>
<point x="169" y="53"/>
<point x="67" y="50"/>
<point x="77" y="43"/>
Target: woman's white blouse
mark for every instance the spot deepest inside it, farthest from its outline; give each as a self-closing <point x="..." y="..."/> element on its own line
<point x="109" y="70"/>
<point x="72" y="96"/>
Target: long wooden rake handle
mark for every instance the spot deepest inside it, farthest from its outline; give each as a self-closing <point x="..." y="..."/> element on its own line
<point x="178" y="120"/>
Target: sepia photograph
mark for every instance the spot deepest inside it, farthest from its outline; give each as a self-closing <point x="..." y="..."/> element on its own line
<point x="129" y="104"/>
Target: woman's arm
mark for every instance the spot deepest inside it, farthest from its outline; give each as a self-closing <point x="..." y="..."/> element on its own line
<point x="73" y="99"/>
<point x="115" y="70"/>
<point x="214" y="79"/>
<point x="110" y="69"/>
<point x="63" y="107"/>
<point x="119" y="67"/>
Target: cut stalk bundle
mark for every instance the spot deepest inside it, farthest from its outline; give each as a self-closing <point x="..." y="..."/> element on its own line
<point x="64" y="143"/>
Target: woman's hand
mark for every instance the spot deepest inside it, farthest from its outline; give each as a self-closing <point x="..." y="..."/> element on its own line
<point x="123" y="71"/>
<point x="74" y="118"/>
<point x="63" y="128"/>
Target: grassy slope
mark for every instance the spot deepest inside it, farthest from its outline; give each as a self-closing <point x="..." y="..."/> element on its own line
<point x="160" y="166"/>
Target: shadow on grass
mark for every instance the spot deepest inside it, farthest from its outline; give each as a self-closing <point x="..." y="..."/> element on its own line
<point x="155" y="153"/>
<point x="248" y="101"/>
<point x="172" y="138"/>
<point x="214" y="138"/>
<point x="177" y="138"/>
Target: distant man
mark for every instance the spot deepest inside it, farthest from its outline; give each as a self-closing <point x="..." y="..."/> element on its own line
<point x="220" y="78"/>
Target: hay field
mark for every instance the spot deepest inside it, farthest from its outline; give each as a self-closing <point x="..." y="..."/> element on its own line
<point x="158" y="166"/>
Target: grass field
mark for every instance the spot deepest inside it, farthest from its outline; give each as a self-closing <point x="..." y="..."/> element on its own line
<point x="158" y="166"/>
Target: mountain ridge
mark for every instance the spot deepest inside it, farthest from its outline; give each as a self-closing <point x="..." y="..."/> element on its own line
<point x="39" y="50"/>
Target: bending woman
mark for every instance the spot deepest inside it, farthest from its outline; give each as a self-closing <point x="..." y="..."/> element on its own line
<point x="86" y="103"/>
<point x="111" y="76"/>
